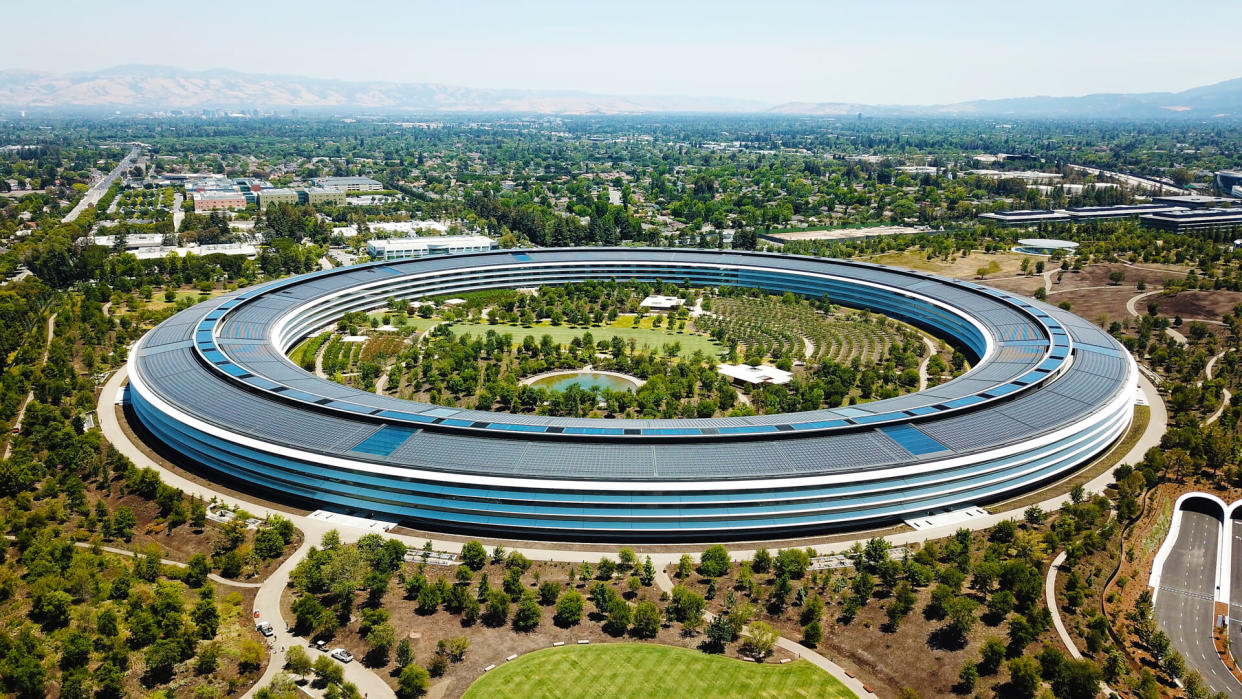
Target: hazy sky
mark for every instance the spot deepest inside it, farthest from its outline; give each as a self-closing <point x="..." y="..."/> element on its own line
<point x="875" y="51"/>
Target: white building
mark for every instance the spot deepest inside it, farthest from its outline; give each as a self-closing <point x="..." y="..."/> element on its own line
<point x="746" y="374"/>
<point x="403" y="248"/>
<point x="661" y="303"/>
<point x="133" y="241"/>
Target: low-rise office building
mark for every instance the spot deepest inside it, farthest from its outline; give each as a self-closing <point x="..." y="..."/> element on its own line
<point x="1105" y="213"/>
<point x="402" y="248"/>
<point x="218" y="201"/>
<point x="278" y="195"/>
<point x="323" y="195"/>
<point x="1195" y="221"/>
<point x="1195" y="201"/>
<point x="1026" y="217"/>
<point x="133" y="241"/>
<point x="1230" y="182"/>
<point x="350" y="184"/>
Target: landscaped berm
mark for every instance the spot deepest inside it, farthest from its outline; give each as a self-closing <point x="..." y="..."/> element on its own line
<point x="639" y="670"/>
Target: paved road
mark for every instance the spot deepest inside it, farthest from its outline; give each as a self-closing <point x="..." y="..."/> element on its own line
<point x="99" y="188"/>
<point x="1235" y="589"/>
<point x="1185" y="607"/>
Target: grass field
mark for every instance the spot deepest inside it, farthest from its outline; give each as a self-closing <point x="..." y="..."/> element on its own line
<point x="562" y="334"/>
<point x="636" y="670"/>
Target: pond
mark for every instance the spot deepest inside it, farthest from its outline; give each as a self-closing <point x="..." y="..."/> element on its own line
<point x="586" y="380"/>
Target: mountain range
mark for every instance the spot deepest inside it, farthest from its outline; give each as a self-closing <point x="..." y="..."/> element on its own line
<point x="161" y="88"/>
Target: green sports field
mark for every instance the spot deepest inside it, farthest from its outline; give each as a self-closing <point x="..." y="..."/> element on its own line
<point x="640" y="670"/>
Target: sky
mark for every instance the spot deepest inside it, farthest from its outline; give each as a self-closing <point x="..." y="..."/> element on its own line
<point x="768" y="51"/>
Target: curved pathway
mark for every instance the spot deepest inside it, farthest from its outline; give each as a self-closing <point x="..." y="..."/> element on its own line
<point x="1225" y="395"/>
<point x="1050" y="599"/>
<point x="931" y="352"/>
<point x="1130" y="302"/>
<point x="21" y="412"/>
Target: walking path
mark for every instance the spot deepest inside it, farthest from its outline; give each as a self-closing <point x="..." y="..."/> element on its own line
<point x="1225" y="395"/>
<point x="931" y="352"/>
<point x="21" y="412"/>
<point x="1130" y="302"/>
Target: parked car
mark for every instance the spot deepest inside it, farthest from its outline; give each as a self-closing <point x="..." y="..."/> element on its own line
<point x="264" y="628"/>
<point x="342" y="655"/>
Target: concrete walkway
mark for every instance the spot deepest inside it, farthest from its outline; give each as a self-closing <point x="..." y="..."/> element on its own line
<point x="931" y="352"/>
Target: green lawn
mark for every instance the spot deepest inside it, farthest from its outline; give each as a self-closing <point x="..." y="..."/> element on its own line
<point x="562" y="334"/>
<point x="637" y="670"/>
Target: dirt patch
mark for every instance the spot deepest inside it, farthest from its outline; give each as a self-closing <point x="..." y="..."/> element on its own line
<point x="1100" y="306"/>
<point x="1195" y="305"/>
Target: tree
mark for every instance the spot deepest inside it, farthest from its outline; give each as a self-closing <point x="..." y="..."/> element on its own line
<point x="961" y="615"/>
<point x="197" y="570"/>
<point x="413" y="682"/>
<point x="714" y="562"/>
<point x="1024" y="676"/>
<point x="298" y="661"/>
<point x="1117" y="277"/>
<point x="528" y="614"/>
<point x="474" y="555"/>
<point x="1077" y="679"/>
<point x="762" y="561"/>
<point x="497" y="612"/>
<point x="991" y="655"/>
<point x="685" y="566"/>
<point x="568" y="609"/>
<point x="812" y="634"/>
<point x="1174" y="665"/>
<point x="618" y="617"/>
<point x="760" y="640"/>
<point x="646" y="620"/>
<point x="268" y="544"/>
<point x="405" y="653"/>
<point x="968" y="677"/>
<point x="328" y="671"/>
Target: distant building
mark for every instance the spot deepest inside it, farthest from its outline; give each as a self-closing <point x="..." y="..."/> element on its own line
<point x="661" y="303"/>
<point x="1026" y="217"/>
<point x="218" y="201"/>
<point x="1103" y="213"/>
<point x="918" y="169"/>
<point x="350" y="184"/>
<point x="1026" y="175"/>
<point x="323" y="195"/>
<point x="744" y="374"/>
<point x="1230" y="182"/>
<point x="133" y="241"/>
<point x="1195" y="201"/>
<point x="403" y="248"/>
<point x="278" y="195"/>
<point x="1046" y="246"/>
<point x="1195" y="221"/>
<point x="158" y="253"/>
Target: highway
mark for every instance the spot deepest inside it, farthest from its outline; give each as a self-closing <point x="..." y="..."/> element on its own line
<point x="1184" y="606"/>
<point x="95" y="192"/>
